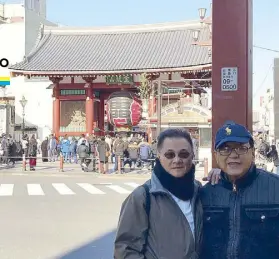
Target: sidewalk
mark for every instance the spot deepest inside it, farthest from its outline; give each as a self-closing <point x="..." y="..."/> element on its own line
<point x="53" y="168"/>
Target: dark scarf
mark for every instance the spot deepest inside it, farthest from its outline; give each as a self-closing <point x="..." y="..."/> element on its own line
<point x="182" y="187"/>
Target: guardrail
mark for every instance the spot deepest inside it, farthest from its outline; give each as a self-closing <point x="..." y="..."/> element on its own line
<point x="24" y="160"/>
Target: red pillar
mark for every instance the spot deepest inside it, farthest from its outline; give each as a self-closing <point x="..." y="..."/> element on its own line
<point x="232" y="47"/>
<point x="89" y="109"/>
<point x="102" y="115"/>
<point x="56" y="112"/>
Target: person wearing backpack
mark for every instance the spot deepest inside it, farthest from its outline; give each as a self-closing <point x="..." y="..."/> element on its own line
<point x="163" y="218"/>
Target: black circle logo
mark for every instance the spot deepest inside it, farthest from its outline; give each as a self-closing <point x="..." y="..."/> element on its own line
<point x="4" y="62"/>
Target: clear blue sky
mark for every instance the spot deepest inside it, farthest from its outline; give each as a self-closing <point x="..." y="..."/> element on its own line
<point x="126" y="12"/>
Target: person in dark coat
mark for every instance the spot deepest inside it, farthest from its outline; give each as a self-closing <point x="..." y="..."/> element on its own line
<point x="163" y="218"/>
<point x="19" y="151"/>
<point x="32" y="152"/>
<point x="12" y="151"/>
<point x="241" y="211"/>
<point x="119" y="148"/>
<point x="103" y="151"/>
<point x="83" y="153"/>
<point x="133" y="151"/>
<point x="44" y="148"/>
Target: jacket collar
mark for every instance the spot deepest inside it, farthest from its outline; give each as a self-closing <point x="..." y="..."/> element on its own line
<point x="157" y="187"/>
<point x="243" y="182"/>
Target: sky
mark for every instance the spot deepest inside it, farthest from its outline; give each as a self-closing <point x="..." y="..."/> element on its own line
<point x="127" y="12"/>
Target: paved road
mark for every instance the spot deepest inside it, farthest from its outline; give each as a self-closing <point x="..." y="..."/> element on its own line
<point x="49" y="214"/>
<point x="46" y="216"/>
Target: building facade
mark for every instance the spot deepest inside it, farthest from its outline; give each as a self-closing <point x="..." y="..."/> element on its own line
<point x="276" y="98"/>
<point x="263" y="117"/>
<point x="85" y="65"/>
<point x="20" y="29"/>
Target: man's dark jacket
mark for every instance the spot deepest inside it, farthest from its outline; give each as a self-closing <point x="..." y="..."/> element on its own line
<point x="241" y="221"/>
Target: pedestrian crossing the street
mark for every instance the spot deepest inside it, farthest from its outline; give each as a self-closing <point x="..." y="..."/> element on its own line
<point x="63" y="189"/>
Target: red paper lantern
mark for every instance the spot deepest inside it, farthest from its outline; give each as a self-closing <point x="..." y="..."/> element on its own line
<point x="124" y="109"/>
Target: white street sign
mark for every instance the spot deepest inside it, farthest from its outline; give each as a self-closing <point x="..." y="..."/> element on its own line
<point x="229" y="79"/>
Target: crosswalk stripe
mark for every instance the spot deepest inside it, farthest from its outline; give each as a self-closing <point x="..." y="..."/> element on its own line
<point x="118" y="189"/>
<point x="90" y="188"/>
<point x="35" y="189"/>
<point x="6" y="189"/>
<point x="63" y="189"/>
<point x="134" y="185"/>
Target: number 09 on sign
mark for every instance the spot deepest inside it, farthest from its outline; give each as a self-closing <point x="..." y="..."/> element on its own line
<point x="229" y="79"/>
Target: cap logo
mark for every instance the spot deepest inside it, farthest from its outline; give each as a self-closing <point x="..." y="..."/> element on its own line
<point x="228" y="131"/>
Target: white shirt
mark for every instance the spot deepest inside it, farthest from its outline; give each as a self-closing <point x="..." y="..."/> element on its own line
<point x="186" y="208"/>
<point x="24" y="143"/>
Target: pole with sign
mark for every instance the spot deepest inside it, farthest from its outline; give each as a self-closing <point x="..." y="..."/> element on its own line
<point x="232" y="50"/>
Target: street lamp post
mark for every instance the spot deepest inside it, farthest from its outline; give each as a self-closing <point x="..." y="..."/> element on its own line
<point x="205" y="22"/>
<point x="23" y="103"/>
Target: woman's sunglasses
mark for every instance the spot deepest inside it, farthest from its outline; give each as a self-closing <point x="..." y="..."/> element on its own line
<point x="182" y="154"/>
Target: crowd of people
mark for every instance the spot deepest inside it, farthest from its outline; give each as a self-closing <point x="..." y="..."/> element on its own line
<point x="123" y="151"/>
<point x="12" y="151"/>
<point x="126" y="153"/>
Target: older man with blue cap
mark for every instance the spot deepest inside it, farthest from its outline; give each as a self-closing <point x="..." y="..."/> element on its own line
<point x="241" y="211"/>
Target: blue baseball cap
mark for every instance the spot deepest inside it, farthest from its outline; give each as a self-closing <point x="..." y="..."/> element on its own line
<point x="232" y="132"/>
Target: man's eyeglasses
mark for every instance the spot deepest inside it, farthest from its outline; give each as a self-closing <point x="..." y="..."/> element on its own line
<point x="226" y="151"/>
<point x="182" y="154"/>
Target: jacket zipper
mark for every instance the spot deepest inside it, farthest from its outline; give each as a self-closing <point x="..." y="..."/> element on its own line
<point x="232" y="251"/>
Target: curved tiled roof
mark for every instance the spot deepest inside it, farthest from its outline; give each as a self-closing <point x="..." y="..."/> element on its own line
<point x="119" y="48"/>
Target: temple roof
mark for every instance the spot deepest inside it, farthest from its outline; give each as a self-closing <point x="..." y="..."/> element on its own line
<point x="116" y="49"/>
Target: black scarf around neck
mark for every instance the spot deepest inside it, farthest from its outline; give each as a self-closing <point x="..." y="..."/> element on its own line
<point x="180" y="187"/>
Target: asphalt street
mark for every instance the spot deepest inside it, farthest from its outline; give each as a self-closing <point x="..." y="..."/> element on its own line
<point x="59" y="215"/>
<point x="69" y="214"/>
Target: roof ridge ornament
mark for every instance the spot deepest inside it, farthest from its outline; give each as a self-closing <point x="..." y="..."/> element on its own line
<point x="41" y="30"/>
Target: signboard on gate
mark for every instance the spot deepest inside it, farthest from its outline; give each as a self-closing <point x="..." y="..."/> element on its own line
<point x="229" y="79"/>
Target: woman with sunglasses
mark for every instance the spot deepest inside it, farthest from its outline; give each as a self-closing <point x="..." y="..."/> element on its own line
<point x="165" y="219"/>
